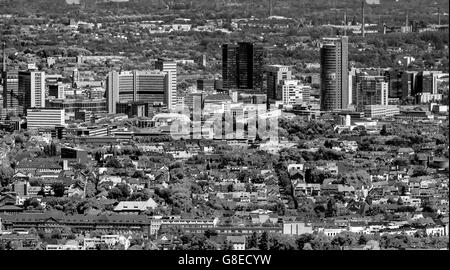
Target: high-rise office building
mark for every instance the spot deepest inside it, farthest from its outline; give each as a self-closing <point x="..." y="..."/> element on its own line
<point x="242" y="66"/>
<point x="11" y="95"/>
<point x="56" y="90"/>
<point x="401" y="83"/>
<point x="334" y="74"/>
<point x="275" y="74"/>
<point x="32" y="89"/>
<point x="126" y="86"/>
<point x="170" y="67"/>
<point x="426" y="83"/>
<point x="371" y="90"/>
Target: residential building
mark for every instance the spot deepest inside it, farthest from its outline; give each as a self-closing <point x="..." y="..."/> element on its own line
<point x="135" y="207"/>
<point x="238" y="242"/>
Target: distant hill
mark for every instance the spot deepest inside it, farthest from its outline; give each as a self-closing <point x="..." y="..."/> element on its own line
<point x="319" y="11"/>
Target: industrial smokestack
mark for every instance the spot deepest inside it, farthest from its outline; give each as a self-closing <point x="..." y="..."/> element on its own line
<point x="363" y="22"/>
<point x="345" y="22"/>
<point x="406" y="22"/>
<point x="270" y="8"/>
<point x="4" y="56"/>
<point x="439" y="16"/>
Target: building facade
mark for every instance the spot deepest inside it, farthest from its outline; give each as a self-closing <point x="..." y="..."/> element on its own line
<point x="11" y="95"/>
<point x="32" y="89"/>
<point x="371" y="90"/>
<point x="126" y="86"/>
<point x="169" y="67"/>
<point x="44" y="117"/>
<point x="242" y="66"/>
<point x="73" y="105"/>
<point x="294" y="92"/>
<point x="334" y="74"/>
<point x="275" y="74"/>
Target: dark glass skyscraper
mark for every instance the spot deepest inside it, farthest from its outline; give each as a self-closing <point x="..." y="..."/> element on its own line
<point x="400" y="83"/>
<point x="334" y="74"/>
<point x="242" y="66"/>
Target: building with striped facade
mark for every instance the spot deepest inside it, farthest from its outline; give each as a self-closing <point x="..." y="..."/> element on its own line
<point x="11" y="92"/>
<point x="32" y="89"/>
<point x="169" y="67"/>
<point x="44" y="117"/>
<point x="130" y="86"/>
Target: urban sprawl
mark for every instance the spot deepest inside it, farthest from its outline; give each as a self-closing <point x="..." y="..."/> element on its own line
<point x="224" y="125"/>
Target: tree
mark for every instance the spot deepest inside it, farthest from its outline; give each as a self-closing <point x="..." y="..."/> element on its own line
<point x="6" y="173"/>
<point x="264" y="241"/>
<point x="31" y="203"/>
<point x="210" y="232"/>
<point x="227" y="246"/>
<point x="363" y="239"/>
<point x="303" y="239"/>
<point x="56" y="234"/>
<point x="331" y="209"/>
<point x="253" y="241"/>
<point x="344" y="239"/>
<point x="102" y="246"/>
<point x="383" y="131"/>
<point x="113" y="163"/>
<point x="58" y="189"/>
<point x="119" y="192"/>
<point x="282" y="242"/>
<point x="142" y="195"/>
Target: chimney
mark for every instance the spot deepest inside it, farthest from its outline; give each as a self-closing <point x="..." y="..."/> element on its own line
<point x="345" y="22"/>
<point x="439" y="16"/>
<point x="270" y="8"/>
<point x="406" y="22"/>
<point x="4" y="57"/>
<point x="363" y="22"/>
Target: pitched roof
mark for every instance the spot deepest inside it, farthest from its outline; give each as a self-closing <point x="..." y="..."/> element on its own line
<point x="136" y="205"/>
